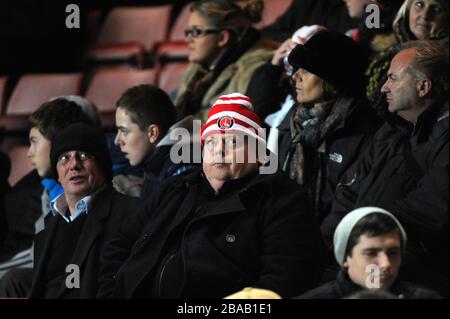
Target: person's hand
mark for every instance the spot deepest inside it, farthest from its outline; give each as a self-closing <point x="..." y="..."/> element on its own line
<point x="283" y="51"/>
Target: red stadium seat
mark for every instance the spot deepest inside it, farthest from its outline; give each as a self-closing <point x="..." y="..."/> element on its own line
<point x="170" y="75"/>
<point x="181" y="22"/>
<point x="31" y="91"/>
<point x="129" y="32"/>
<point x="20" y="165"/>
<point x="107" y="86"/>
<point x="34" y="89"/>
<point x="172" y="51"/>
<point x="272" y="10"/>
<point x="2" y="94"/>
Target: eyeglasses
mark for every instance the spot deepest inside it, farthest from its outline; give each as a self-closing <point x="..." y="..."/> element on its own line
<point x="67" y="157"/>
<point x="196" y="32"/>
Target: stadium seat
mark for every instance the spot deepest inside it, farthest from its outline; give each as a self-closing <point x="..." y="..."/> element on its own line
<point x="30" y="92"/>
<point x="128" y="33"/>
<point x="2" y="94"/>
<point x="34" y="89"/>
<point x="272" y="10"/>
<point x="20" y="165"/>
<point x="170" y="75"/>
<point x="180" y="24"/>
<point x="107" y="85"/>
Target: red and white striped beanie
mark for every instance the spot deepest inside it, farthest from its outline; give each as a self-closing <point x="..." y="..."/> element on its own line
<point x="233" y="113"/>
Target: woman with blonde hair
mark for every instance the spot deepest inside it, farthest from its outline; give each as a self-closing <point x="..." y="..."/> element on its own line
<point x="224" y="52"/>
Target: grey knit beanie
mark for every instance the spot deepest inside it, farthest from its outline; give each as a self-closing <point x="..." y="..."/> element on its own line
<point x="345" y="228"/>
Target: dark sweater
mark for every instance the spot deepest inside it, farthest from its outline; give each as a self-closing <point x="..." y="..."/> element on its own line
<point x="63" y="246"/>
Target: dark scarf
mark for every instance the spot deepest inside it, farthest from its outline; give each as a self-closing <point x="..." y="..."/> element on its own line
<point x="191" y="101"/>
<point x="310" y="126"/>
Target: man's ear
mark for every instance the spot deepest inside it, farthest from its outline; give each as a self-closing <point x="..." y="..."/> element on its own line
<point x="423" y="87"/>
<point x="224" y="38"/>
<point x="346" y="262"/>
<point x="153" y="132"/>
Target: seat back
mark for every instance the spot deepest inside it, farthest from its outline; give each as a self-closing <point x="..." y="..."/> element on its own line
<point x="170" y="75"/>
<point x="272" y="10"/>
<point x="2" y="94"/>
<point x="20" y="164"/>
<point x="177" y="30"/>
<point x="108" y="85"/>
<point x="34" y="89"/>
<point x="145" y="25"/>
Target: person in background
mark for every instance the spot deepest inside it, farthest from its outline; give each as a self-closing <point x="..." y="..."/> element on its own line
<point x="415" y="20"/>
<point x="332" y="124"/>
<point x="45" y="124"/>
<point x="405" y="169"/>
<point x="332" y="14"/>
<point x="82" y="218"/>
<point x="145" y="117"/>
<point x="369" y="244"/>
<point x="5" y="169"/>
<point x="224" y="52"/>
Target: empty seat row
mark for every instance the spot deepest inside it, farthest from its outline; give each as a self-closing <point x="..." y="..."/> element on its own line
<point x="104" y="89"/>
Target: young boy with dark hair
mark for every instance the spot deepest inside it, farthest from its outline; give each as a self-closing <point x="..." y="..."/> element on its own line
<point x="145" y="115"/>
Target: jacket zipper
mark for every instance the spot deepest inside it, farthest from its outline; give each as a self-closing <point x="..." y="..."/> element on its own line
<point x="162" y="273"/>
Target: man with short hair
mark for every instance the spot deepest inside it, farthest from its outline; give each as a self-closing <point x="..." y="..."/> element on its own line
<point x="218" y="230"/>
<point x="29" y="201"/>
<point x="368" y="245"/>
<point x="145" y="116"/>
<point x="405" y="170"/>
<point x="83" y="218"/>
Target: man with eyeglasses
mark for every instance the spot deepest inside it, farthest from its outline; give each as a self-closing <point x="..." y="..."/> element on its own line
<point x="83" y="218"/>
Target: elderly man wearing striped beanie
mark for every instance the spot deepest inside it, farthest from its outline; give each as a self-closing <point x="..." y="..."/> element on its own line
<point x="224" y="230"/>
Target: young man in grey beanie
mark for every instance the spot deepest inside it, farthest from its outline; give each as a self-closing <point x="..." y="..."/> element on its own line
<point x="83" y="218"/>
<point x="369" y="244"/>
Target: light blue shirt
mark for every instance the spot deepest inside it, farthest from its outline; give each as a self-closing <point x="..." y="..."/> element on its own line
<point x="59" y="206"/>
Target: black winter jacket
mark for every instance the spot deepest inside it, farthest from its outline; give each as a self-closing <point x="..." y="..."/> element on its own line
<point x="406" y="172"/>
<point x="260" y="233"/>
<point x="108" y="212"/>
<point x="344" y="145"/>
<point x="343" y="287"/>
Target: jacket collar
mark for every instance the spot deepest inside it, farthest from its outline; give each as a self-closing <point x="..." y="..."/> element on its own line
<point x="237" y="50"/>
<point x="186" y="123"/>
<point x="154" y="163"/>
<point x="344" y="286"/>
<point x="426" y="121"/>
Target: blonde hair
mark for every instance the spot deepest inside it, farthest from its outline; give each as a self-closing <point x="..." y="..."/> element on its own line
<point x="401" y="23"/>
<point x="228" y="15"/>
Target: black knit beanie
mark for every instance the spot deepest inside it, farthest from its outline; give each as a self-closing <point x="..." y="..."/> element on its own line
<point x="86" y="138"/>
